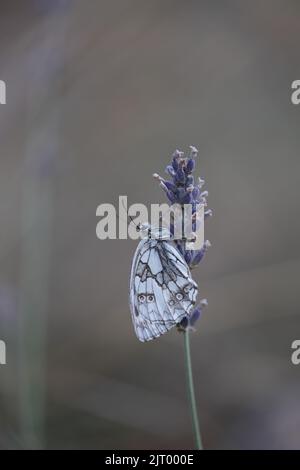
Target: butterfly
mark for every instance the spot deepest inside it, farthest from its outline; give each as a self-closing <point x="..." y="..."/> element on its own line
<point x="162" y="291"/>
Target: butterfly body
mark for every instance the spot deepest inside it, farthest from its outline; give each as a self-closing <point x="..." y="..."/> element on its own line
<point x="162" y="291"/>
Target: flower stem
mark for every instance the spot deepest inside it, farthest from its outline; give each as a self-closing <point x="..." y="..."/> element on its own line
<point x="191" y="390"/>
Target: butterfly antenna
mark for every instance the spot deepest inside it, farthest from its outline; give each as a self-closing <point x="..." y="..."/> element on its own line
<point x="129" y="216"/>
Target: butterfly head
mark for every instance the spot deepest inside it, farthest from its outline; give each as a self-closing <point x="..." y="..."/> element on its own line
<point x="145" y="229"/>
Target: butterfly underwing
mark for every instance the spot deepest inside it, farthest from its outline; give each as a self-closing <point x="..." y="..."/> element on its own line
<point x="162" y="291"/>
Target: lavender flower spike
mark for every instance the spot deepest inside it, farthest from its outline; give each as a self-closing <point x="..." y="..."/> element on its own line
<point x="181" y="189"/>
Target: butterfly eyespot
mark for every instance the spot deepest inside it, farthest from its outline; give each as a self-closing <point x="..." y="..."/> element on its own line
<point x="171" y="302"/>
<point x="142" y="298"/>
<point x="150" y="298"/>
<point x="179" y="296"/>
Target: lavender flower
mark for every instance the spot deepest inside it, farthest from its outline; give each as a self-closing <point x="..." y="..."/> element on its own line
<point x="181" y="189"/>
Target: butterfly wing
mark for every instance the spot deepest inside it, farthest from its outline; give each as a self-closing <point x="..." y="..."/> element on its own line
<point x="162" y="291"/>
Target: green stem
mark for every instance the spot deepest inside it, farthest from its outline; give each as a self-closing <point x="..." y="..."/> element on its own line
<point x="191" y="390"/>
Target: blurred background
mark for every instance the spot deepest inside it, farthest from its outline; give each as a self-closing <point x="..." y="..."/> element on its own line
<point x="99" y="95"/>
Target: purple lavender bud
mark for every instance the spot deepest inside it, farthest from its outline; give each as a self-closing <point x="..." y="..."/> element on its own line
<point x="170" y="170"/>
<point x="190" y="166"/>
<point x="188" y="257"/>
<point x="198" y="257"/>
<point x="195" y="316"/>
<point x="171" y="196"/>
<point x="190" y="180"/>
<point x="186" y="199"/>
<point x="181" y="192"/>
<point x="179" y="247"/>
<point x="200" y="253"/>
<point x="171" y="186"/>
<point x="175" y="163"/>
<point x="163" y="186"/>
<point x="177" y="155"/>
<point x="197" y="312"/>
<point x="196" y="193"/>
<point x="180" y="176"/>
<point x="194" y="206"/>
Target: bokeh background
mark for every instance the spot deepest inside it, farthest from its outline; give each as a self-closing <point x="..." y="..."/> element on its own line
<point x="99" y="94"/>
